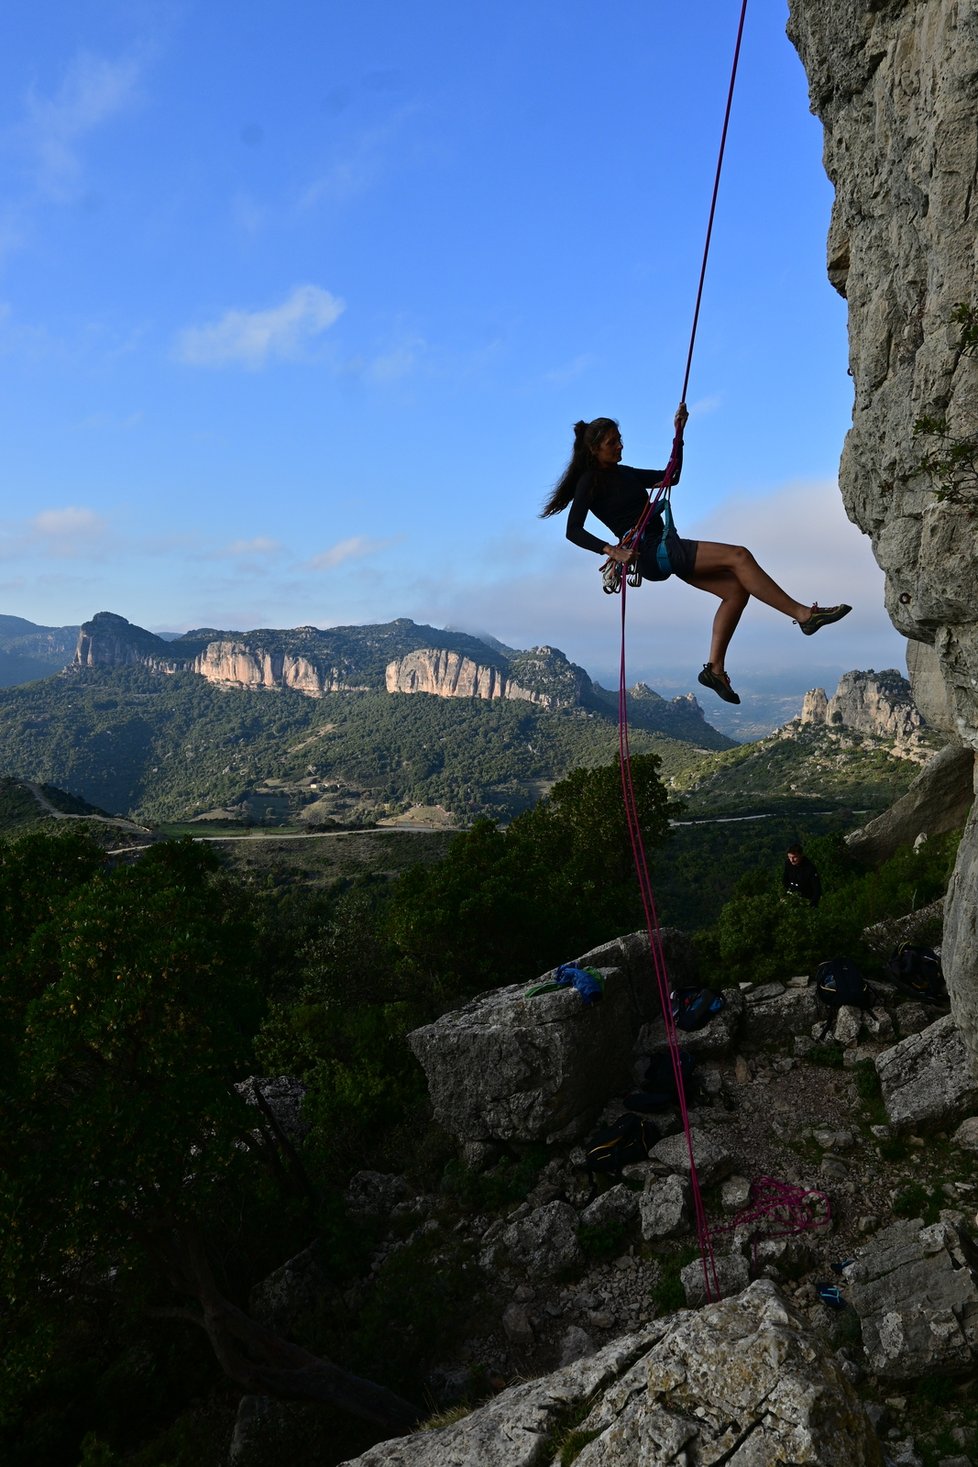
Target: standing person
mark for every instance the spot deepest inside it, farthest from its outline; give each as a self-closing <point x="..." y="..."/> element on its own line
<point x="800" y="876"/>
<point x="597" y="482"/>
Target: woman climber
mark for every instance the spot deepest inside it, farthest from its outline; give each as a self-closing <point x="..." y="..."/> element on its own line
<point x="596" y="481"/>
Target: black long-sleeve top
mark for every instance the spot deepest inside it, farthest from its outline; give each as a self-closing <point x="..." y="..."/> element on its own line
<point x="615" y="496"/>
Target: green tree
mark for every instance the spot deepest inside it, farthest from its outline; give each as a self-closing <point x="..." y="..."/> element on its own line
<point x="504" y="905"/>
<point x="129" y="1006"/>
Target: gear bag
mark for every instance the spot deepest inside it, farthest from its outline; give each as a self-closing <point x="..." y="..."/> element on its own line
<point x="840" y="984"/>
<point x="615" y="1146"/>
<point x="917" y="971"/>
<point x="692" y="1008"/>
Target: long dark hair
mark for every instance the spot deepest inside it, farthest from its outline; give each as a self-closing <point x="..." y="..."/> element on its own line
<point x="587" y="436"/>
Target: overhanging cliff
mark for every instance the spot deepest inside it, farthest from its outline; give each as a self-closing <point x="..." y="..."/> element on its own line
<point x="895" y="84"/>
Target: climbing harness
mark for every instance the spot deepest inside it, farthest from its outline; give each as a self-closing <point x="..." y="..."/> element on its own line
<point x="613" y="572"/>
<point x="653" y="929"/>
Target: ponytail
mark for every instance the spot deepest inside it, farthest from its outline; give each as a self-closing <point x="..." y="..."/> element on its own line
<point x="587" y="436"/>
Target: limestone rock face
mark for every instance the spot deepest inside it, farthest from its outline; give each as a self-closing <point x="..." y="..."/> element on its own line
<point x="925" y="1078"/>
<point x="814" y="708"/>
<point x="939" y="800"/>
<point x="895" y="85"/>
<point x="871" y="702"/>
<point x="111" y="641"/>
<point x="451" y="675"/>
<point x="240" y="665"/>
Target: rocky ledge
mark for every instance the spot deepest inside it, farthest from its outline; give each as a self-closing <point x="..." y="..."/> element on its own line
<point x="593" y="1323"/>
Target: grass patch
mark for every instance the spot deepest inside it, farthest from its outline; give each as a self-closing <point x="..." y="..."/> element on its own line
<point x="507" y="1182"/>
<point x="566" y="1440"/>
<point x="916" y="1200"/>
<point x="445" y="1418"/>
<point x="603" y="1240"/>
<point x="827" y="1056"/>
<point x="573" y="1445"/>
<point x="894" y="1148"/>
<point x="868" y="1085"/>
<point x="667" y="1293"/>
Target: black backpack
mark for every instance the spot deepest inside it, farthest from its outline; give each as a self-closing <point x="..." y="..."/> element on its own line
<point x="840" y="984"/>
<point x="613" y="1147"/>
<point x="658" y="1090"/>
<point x="917" y="971"/>
<point x="692" y="1008"/>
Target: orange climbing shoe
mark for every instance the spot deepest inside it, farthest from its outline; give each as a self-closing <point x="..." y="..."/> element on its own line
<point x="718" y="682"/>
<point x="821" y="617"/>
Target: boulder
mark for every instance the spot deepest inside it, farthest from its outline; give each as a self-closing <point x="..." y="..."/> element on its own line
<point x="966" y="1136"/>
<point x="729" y="1272"/>
<point x="715" y="1039"/>
<point x="916" y="1293"/>
<point x="927" y="1079"/>
<point x="512" y="1068"/>
<point x="741" y="1381"/>
<point x="279" y="1098"/>
<point x="508" y="1430"/>
<point x="375" y="1194"/>
<point x="938" y="800"/>
<point x="539" y="1245"/>
<point x="299" y="1287"/>
<point x="922" y="928"/>
<point x="664" y="1208"/>
<point x="711" y="1153"/>
<point x="776" y="1020"/>
<point x="619" y="1205"/>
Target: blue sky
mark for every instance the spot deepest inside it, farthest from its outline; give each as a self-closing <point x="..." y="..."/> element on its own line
<point x="298" y="304"/>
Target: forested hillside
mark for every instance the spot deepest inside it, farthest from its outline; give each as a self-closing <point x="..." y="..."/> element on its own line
<point x="172" y="747"/>
<point x="800" y="766"/>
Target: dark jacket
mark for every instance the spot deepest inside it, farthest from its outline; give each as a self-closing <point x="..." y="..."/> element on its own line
<point x="802" y="880"/>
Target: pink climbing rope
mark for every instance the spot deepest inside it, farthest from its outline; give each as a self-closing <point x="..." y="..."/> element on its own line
<point x="711" y="1282"/>
<point x="780" y="1210"/>
<point x="710" y="1279"/>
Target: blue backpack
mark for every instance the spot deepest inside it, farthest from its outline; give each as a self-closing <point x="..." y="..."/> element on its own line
<point x="693" y="1008"/>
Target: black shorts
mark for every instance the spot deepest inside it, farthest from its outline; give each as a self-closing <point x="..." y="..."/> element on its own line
<point x="682" y="559"/>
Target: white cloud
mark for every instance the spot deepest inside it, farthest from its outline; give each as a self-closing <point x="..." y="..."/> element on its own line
<point x="358" y="547"/>
<point x="569" y="371"/>
<point x="348" y="177"/>
<point x="68" y="521"/>
<point x="68" y="532"/>
<point x="260" y="545"/>
<point x="94" y="90"/>
<point x="252" y="338"/>
<point x="399" y="362"/>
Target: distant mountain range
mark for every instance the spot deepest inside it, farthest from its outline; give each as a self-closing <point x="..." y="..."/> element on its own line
<point x="28" y="652"/>
<point x="274" y="724"/>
